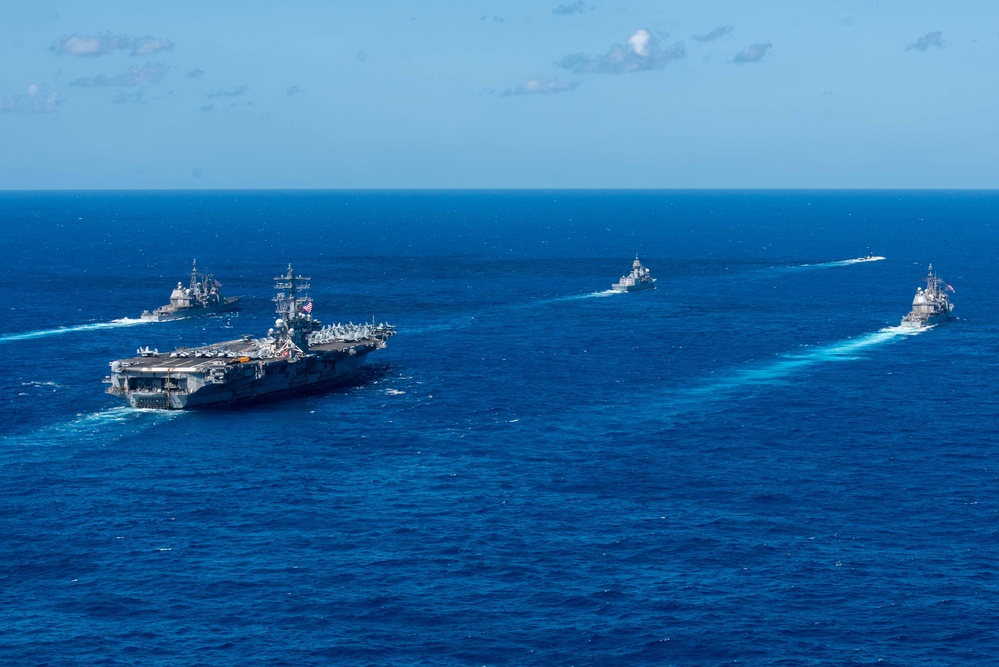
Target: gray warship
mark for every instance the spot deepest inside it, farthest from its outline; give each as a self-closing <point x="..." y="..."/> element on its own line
<point x="203" y="296"/>
<point x="640" y="278"/>
<point x="930" y="305"/>
<point x="297" y="353"/>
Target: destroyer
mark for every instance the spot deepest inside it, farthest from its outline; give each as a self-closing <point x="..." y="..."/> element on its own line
<point x="298" y="352"/>
<point x="931" y="305"/>
<point x="638" y="279"/>
<point x="202" y="297"/>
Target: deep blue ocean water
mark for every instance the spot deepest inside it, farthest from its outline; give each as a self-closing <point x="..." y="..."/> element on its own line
<point x="748" y="465"/>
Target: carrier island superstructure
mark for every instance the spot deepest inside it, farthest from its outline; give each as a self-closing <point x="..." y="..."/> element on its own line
<point x="297" y="353"/>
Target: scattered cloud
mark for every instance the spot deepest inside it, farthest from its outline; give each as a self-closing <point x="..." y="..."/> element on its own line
<point x="144" y="46"/>
<point x="643" y="50"/>
<point x="577" y="7"/>
<point x="236" y="92"/>
<point x="848" y="21"/>
<point x="195" y="74"/>
<point x="208" y="108"/>
<point x="107" y="43"/>
<point x="753" y="53"/>
<point x="138" y="97"/>
<point x="147" y="75"/>
<point x="541" y="87"/>
<point x="929" y="40"/>
<point x="717" y="33"/>
<point x="294" y="90"/>
<point x="496" y="19"/>
<point x="36" y="99"/>
<point x="361" y="56"/>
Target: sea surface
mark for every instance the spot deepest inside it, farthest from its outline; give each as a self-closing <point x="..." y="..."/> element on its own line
<point x="751" y="464"/>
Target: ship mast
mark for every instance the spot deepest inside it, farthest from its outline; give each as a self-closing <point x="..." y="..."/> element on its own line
<point x="289" y="305"/>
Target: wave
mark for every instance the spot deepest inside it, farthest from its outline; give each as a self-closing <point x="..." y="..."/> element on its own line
<point x="601" y="294"/>
<point x="99" y="426"/>
<point x="790" y="363"/>
<point x="96" y="326"/>
<point x="838" y="262"/>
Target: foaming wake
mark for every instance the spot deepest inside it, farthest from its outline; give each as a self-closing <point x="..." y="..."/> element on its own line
<point x="602" y="294"/>
<point x="113" y="324"/>
<point x="840" y="262"/>
<point x="99" y="427"/>
<point x="793" y="362"/>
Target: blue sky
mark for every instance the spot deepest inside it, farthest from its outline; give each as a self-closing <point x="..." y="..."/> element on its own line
<point x="559" y="94"/>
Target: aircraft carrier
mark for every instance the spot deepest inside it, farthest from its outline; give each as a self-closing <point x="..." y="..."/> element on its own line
<point x="297" y="353"/>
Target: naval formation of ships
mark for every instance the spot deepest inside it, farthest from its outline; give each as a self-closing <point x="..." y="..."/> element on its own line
<point x="298" y="352"/>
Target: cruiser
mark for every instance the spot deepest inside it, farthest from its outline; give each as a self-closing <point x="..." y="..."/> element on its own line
<point x="297" y="353"/>
<point x="931" y="305"/>
<point x="202" y="297"/>
<point x="638" y="279"/>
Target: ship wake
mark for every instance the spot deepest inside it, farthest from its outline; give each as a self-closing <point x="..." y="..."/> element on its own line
<point x="96" y="427"/>
<point x="834" y="264"/>
<point x="791" y="363"/>
<point x="96" y="326"/>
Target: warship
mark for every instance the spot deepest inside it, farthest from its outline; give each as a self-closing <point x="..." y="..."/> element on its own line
<point x="202" y="297"/>
<point x="930" y="305"/>
<point x="298" y="352"/>
<point x="638" y="279"/>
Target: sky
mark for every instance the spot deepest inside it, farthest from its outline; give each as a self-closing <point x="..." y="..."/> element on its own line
<point x="108" y="94"/>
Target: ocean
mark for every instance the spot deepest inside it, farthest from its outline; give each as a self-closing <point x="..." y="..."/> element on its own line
<point x="751" y="464"/>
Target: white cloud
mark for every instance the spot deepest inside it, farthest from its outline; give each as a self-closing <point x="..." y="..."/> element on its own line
<point x="639" y="42"/>
<point x="107" y="43"/>
<point x="36" y="99"/>
<point x="643" y="50"/>
<point x="541" y="87"/>
<point x="144" y="46"/>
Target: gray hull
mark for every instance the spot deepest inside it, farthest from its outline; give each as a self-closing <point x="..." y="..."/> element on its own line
<point x="247" y="382"/>
<point x="230" y="305"/>
<point x="637" y="287"/>
<point x="918" y="322"/>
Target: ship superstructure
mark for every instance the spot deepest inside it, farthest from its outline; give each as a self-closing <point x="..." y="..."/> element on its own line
<point x="298" y="352"/>
<point x="202" y="296"/>
<point x="930" y="305"/>
<point x="640" y="278"/>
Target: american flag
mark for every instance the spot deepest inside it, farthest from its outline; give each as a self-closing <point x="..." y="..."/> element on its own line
<point x="951" y="289"/>
<point x="307" y="307"/>
<point x="217" y="283"/>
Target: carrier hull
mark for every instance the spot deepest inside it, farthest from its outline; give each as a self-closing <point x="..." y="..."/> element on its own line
<point x="149" y="383"/>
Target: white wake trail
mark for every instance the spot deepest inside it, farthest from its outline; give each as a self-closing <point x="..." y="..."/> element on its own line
<point x="96" y="326"/>
<point x="833" y="264"/>
<point x="793" y="362"/>
<point x="101" y="426"/>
